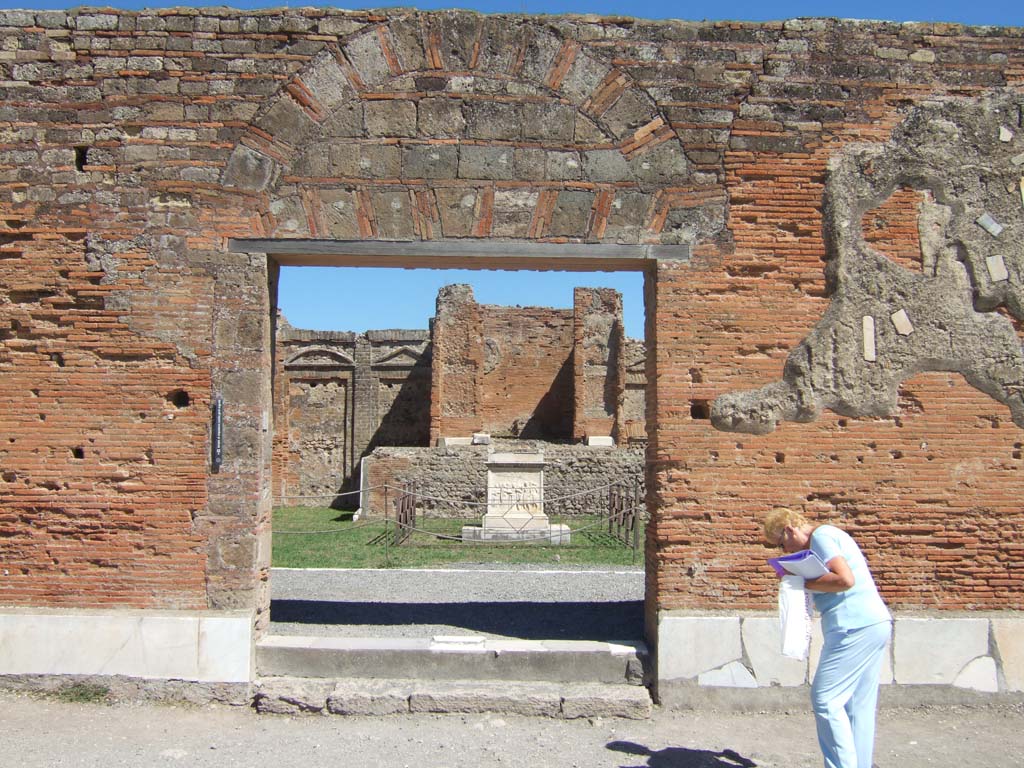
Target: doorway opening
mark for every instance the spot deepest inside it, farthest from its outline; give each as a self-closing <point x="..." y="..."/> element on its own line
<point x="333" y="367"/>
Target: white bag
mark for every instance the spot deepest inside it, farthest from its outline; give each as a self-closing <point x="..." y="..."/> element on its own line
<point x="794" y="617"/>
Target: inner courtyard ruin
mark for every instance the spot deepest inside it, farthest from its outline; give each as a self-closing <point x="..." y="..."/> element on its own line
<point x="532" y="373"/>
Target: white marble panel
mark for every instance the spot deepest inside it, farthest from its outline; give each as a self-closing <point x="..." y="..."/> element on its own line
<point x="979" y="675"/>
<point x="690" y="645"/>
<point x="164" y="645"/>
<point x="762" y="641"/>
<point x="935" y="651"/>
<point x="1009" y="638"/>
<point x="732" y="675"/>
<point x="225" y="649"/>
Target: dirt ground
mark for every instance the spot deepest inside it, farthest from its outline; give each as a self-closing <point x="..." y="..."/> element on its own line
<point x="42" y="732"/>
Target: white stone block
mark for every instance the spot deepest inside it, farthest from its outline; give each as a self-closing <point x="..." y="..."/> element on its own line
<point x="901" y="322"/>
<point x="602" y="441"/>
<point x="979" y="675"/>
<point x="690" y="645"/>
<point x="936" y="651"/>
<point x="990" y="225"/>
<point x="481" y="438"/>
<point x="1009" y="639"/>
<point x="869" y="339"/>
<point x="732" y="675"/>
<point x="451" y="442"/>
<point x="996" y="268"/>
<point x="1005" y="134"/>
<point x="1018" y="159"/>
<point x="762" y="641"/>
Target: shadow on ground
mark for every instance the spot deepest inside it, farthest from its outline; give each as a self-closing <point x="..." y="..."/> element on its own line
<point x="679" y="757"/>
<point x="530" y="621"/>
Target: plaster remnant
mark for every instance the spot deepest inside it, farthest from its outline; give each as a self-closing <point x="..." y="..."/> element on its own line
<point x="996" y="268"/>
<point x="990" y="225"/>
<point x="1005" y="134"/>
<point x="869" y="339"/>
<point x="952" y="301"/>
<point x="901" y="322"/>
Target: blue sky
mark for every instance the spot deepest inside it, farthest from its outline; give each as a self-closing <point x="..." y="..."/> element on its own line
<point x="361" y="299"/>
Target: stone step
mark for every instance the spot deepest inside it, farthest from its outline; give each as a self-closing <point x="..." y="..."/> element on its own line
<point x="451" y="658"/>
<point x="362" y="696"/>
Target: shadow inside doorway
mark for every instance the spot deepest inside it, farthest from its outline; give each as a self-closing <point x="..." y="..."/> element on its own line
<point x="600" y="621"/>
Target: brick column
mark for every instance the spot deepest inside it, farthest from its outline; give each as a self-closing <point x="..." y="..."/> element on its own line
<point x="598" y="372"/>
<point x="457" y="364"/>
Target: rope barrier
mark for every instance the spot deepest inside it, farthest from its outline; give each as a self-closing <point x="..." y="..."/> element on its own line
<point x="333" y="495"/>
<point x="539" y="537"/>
<point x="388" y="522"/>
<point x="331" y="530"/>
<point x="469" y="503"/>
<point x="462" y="502"/>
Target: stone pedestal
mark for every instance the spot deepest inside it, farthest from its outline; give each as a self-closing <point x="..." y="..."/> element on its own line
<point x="515" y="502"/>
<point x="515" y="492"/>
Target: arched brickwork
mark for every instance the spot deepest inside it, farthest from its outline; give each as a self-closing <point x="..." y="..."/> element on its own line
<point x="457" y="126"/>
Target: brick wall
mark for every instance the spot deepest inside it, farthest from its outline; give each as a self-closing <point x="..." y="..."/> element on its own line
<point x="132" y="145"/>
<point x="527" y="382"/>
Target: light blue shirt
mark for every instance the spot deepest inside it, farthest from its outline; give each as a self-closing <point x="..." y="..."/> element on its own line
<point x="860" y="605"/>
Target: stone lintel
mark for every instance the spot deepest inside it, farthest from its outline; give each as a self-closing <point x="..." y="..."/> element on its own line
<point x="463" y="254"/>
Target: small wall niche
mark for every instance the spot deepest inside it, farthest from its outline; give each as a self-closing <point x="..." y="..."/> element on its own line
<point x="179" y="398"/>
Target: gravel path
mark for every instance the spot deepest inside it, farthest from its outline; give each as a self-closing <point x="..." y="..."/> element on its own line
<point x="42" y="733"/>
<point x="521" y="602"/>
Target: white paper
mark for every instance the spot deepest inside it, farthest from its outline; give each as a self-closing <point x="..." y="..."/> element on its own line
<point x="794" y="617"/>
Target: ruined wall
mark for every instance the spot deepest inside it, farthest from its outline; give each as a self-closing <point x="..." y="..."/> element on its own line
<point x="337" y="396"/>
<point x="527" y="384"/>
<point x="458" y="363"/>
<point x="452" y="482"/>
<point x="598" y="363"/>
<point x="324" y="423"/>
<point x="133" y="145"/>
<point x="634" y="398"/>
<point x="530" y="372"/>
<point x="913" y="459"/>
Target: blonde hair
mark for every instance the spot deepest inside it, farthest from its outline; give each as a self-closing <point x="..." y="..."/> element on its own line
<point x="779" y="518"/>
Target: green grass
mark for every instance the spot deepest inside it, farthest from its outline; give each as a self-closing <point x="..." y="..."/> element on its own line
<point x="317" y="537"/>
<point x="83" y="693"/>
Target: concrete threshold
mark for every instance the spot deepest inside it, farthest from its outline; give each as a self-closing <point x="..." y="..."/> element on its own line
<point x="306" y="696"/>
<point x="452" y="657"/>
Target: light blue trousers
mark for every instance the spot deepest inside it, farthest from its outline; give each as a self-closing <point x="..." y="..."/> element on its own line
<point x="845" y="693"/>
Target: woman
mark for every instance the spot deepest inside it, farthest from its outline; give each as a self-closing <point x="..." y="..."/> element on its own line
<point x="856" y="626"/>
